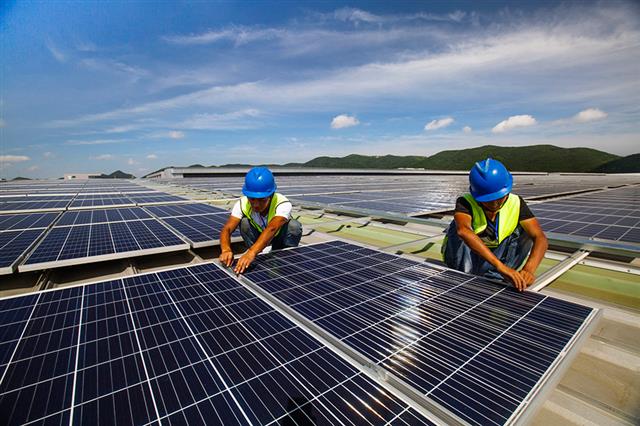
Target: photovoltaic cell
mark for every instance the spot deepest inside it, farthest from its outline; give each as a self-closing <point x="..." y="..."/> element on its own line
<point x="460" y="340"/>
<point x="188" y="346"/>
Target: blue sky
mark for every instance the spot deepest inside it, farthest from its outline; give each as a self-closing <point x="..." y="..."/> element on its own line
<point x="100" y="86"/>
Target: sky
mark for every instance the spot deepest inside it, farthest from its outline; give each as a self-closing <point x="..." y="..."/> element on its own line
<point x="99" y="86"/>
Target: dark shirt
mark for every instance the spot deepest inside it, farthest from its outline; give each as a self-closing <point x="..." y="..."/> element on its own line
<point x="489" y="234"/>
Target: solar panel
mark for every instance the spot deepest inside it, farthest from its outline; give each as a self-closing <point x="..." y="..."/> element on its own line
<point x="13" y="222"/>
<point x="188" y="346"/>
<point x="73" y="245"/>
<point x="612" y="215"/>
<point x="473" y="347"/>
<point x="88" y="202"/>
<point x="199" y="223"/>
<point x="32" y="206"/>
<point x="176" y="210"/>
<point x="13" y="246"/>
<point x="81" y="217"/>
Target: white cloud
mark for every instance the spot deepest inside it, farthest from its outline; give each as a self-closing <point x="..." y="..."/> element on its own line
<point x="590" y="114"/>
<point x="439" y="124"/>
<point x="131" y="161"/>
<point x="514" y="122"/>
<point x="48" y="154"/>
<point x="343" y="121"/>
<point x="152" y="157"/>
<point x="33" y="168"/>
<point x="349" y="14"/>
<point x="94" y="142"/>
<point x="13" y="158"/>
<point x="114" y="66"/>
<point x="229" y="121"/>
<point x="176" y="134"/>
<point x="239" y="35"/>
<point x="467" y="129"/>
<point x="55" y="51"/>
<point x="103" y="157"/>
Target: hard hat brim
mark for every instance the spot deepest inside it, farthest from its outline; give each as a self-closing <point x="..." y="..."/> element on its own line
<point x="252" y="194"/>
<point x="490" y="197"/>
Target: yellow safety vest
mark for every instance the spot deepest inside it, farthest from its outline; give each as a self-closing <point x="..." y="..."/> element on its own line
<point x="276" y="200"/>
<point x="507" y="217"/>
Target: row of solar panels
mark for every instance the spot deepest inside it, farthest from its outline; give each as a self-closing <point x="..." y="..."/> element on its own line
<point x="68" y="188"/>
<point x="195" y="346"/>
<point x="21" y="204"/>
<point x="51" y="240"/>
<point x="606" y="215"/>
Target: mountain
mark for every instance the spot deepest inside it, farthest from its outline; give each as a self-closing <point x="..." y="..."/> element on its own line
<point x="355" y="161"/>
<point x="628" y="164"/>
<point x="118" y="174"/>
<point x="534" y="158"/>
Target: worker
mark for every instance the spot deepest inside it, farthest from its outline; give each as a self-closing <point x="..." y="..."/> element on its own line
<point x="264" y="217"/>
<point x="493" y="231"/>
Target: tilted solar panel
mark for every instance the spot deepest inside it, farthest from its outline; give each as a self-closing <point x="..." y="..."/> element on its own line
<point x="477" y="349"/>
<point x="73" y="245"/>
<point x="15" y="222"/>
<point x="176" y="210"/>
<point x="187" y="346"/>
<point x="13" y="246"/>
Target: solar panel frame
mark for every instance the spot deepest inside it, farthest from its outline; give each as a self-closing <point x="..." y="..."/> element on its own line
<point x="527" y="405"/>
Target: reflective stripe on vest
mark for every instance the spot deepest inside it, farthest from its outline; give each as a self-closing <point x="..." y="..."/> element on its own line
<point x="507" y="218"/>
<point x="276" y="200"/>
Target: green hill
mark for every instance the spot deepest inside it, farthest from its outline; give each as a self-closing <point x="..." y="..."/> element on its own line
<point x="628" y="164"/>
<point x="535" y="158"/>
<point x="355" y="161"/>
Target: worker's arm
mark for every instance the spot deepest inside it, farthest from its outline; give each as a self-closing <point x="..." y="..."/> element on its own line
<point x="465" y="232"/>
<point x="265" y="238"/>
<point x="226" y="254"/>
<point x="540" y="245"/>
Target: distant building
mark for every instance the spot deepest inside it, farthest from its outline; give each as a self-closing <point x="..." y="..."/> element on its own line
<point x="68" y="176"/>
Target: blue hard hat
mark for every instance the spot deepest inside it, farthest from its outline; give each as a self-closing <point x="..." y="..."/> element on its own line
<point x="489" y="180"/>
<point x="259" y="183"/>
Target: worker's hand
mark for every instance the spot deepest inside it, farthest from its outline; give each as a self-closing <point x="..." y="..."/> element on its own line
<point x="226" y="258"/>
<point x="244" y="262"/>
<point x="512" y="276"/>
<point x="527" y="276"/>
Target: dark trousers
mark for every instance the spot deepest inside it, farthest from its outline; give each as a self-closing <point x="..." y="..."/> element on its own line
<point x="289" y="235"/>
<point x="512" y="252"/>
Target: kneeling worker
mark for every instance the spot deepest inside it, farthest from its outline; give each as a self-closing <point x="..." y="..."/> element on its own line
<point x="264" y="217"/>
<point x="493" y="230"/>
